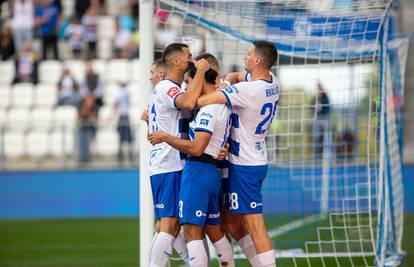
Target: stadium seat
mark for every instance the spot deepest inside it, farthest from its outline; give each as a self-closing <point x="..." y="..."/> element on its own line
<point x="109" y="93"/>
<point x="37" y="143"/>
<point x="99" y="66"/>
<point x="77" y="69"/>
<point x="45" y="95"/>
<point x="14" y="143"/>
<point x="135" y="75"/>
<point x="7" y="70"/>
<point x="50" y="71"/>
<point x="106" y="27"/>
<point x="135" y="95"/>
<point x="106" y="113"/>
<point x="104" y="49"/>
<point x="118" y="70"/>
<point x="18" y="118"/>
<point x="107" y="142"/>
<point x="4" y="96"/>
<point x="3" y="117"/>
<point x="22" y="95"/>
<point x="62" y="142"/>
<point x="41" y="118"/>
<point x="65" y="117"/>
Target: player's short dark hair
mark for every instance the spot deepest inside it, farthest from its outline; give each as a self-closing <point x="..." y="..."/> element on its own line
<point x="212" y="60"/>
<point x="171" y="50"/>
<point x="268" y="52"/>
<point x="159" y="64"/>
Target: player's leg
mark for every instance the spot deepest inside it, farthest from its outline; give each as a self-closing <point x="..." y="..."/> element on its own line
<point x="165" y="196"/>
<point x="197" y="254"/>
<point x="245" y="198"/>
<point x="180" y="245"/>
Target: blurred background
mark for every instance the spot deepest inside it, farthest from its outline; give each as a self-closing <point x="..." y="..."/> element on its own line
<point x="70" y="110"/>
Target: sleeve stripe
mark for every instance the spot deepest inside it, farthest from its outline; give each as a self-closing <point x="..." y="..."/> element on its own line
<point x="175" y="97"/>
<point x="203" y="130"/>
<point x="227" y="97"/>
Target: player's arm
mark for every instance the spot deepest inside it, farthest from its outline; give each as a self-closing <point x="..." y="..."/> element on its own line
<point x="195" y="147"/>
<point x="188" y="100"/>
<point x="217" y="97"/>
<point x="236" y="77"/>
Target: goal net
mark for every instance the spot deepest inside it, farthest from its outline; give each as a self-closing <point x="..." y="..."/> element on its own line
<point x="333" y="195"/>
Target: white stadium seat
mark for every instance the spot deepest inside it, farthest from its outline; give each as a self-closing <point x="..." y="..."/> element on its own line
<point x="135" y="95"/>
<point x="109" y="93"/>
<point x="107" y="142"/>
<point x="104" y="49"/>
<point x="99" y="66"/>
<point x="135" y="75"/>
<point x="41" y="118"/>
<point x="50" y="71"/>
<point x="3" y="117"/>
<point x="65" y="117"/>
<point x="7" y="70"/>
<point x="45" y="95"/>
<point x="4" y="96"/>
<point x="22" y="95"/>
<point x="18" y="118"/>
<point x="118" y="70"/>
<point x="106" y="27"/>
<point x="62" y="142"/>
<point x="106" y="113"/>
<point x="37" y="143"/>
<point x="14" y="143"/>
<point x="77" y="69"/>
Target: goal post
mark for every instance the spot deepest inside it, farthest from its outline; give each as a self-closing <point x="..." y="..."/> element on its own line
<point x="334" y="194"/>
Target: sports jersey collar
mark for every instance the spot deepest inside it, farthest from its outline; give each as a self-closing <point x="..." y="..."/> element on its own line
<point x="179" y="86"/>
<point x="268" y="81"/>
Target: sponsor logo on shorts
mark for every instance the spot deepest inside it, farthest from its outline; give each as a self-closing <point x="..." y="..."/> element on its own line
<point x="214" y="215"/>
<point x="159" y="206"/>
<point x="254" y="205"/>
<point x="199" y="213"/>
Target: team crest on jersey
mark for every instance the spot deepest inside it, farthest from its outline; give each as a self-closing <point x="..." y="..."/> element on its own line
<point x="204" y="122"/>
<point x="173" y="91"/>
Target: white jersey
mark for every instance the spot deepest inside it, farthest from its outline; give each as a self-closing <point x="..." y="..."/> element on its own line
<point x="253" y="105"/>
<point x="164" y="116"/>
<point x="213" y="119"/>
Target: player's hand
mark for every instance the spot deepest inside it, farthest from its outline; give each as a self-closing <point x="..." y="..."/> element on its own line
<point x="156" y="137"/>
<point x="223" y="152"/>
<point x="202" y="65"/>
<point x="145" y="115"/>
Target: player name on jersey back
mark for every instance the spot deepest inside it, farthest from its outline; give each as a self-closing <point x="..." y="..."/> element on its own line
<point x="164" y="116"/>
<point x="253" y="105"/>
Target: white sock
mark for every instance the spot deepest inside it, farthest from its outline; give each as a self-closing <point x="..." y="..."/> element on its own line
<point x="180" y="246"/>
<point x="152" y="244"/>
<point x="197" y="254"/>
<point x="267" y="259"/>
<point x="224" y="252"/>
<point x="207" y="248"/>
<point x="161" y="250"/>
<point x="246" y="244"/>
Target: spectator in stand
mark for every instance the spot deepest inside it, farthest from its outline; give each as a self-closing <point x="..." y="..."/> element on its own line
<point x="89" y="22"/>
<point x="321" y="128"/>
<point x="26" y="65"/>
<point x="6" y="43"/>
<point x="87" y="118"/>
<point x="92" y="85"/>
<point x="120" y="43"/>
<point x="22" y="22"/>
<point x="121" y="107"/>
<point x="134" y="7"/>
<point x="81" y="6"/>
<point x="68" y="90"/>
<point x="74" y="32"/>
<point x="46" y="20"/>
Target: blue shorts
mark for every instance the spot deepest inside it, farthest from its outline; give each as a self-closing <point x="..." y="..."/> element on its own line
<point x="199" y="195"/>
<point x="165" y="191"/>
<point x="244" y="188"/>
<point x="223" y="168"/>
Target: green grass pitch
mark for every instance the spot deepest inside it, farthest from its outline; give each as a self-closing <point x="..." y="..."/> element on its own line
<point x="104" y="243"/>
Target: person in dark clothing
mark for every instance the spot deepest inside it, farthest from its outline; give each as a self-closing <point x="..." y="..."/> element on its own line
<point x="46" y="19"/>
<point x="26" y="65"/>
<point x="92" y="85"/>
<point x="87" y="118"/>
<point x="320" y="129"/>
<point x="6" y="43"/>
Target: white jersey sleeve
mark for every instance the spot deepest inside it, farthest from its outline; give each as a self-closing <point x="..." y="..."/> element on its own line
<point x="169" y="94"/>
<point x="206" y="119"/>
